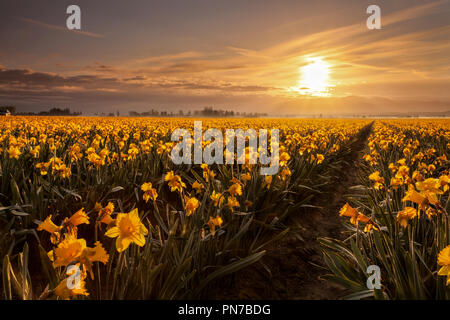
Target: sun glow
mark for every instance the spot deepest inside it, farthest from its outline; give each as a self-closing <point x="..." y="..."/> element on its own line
<point x="314" y="78"/>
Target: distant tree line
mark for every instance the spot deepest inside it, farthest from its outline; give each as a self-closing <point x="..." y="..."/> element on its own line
<point x="205" y="112"/>
<point x="51" y="112"/>
<point x="11" y="109"/>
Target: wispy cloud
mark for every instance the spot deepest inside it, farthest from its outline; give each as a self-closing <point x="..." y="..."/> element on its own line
<point x="60" y="28"/>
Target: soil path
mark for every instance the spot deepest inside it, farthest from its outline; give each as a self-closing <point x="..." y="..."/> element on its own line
<point x="292" y="267"/>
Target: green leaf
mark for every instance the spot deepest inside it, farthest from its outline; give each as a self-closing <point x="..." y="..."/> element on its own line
<point x="6" y="266"/>
<point x="48" y="268"/>
<point x="229" y="269"/>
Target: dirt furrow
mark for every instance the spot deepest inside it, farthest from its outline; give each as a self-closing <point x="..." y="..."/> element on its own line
<point x="292" y="267"/>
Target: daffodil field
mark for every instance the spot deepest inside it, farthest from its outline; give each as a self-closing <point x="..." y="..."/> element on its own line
<point x="398" y="215"/>
<point x="94" y="208"/>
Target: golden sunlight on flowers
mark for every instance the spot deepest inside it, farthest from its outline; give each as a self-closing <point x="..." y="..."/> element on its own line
<point x="191" y="204"/>
<point x="161" y="229"/>
<point x="128" y="229"/>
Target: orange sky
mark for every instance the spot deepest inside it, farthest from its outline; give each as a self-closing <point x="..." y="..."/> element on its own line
<point x="243" y="55"/>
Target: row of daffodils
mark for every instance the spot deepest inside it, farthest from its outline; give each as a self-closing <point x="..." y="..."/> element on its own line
<point x="398" y="216"/>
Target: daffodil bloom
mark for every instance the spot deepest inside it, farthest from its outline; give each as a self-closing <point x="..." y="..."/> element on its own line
<point x="286" y="172"/>
<point x="429" y="185"/>
<point x="417" y="176"/>
<point x="191" y="204"/>
<point x="235" y="180"/>
<point x="320" y="158"/>
<point x="217" y="198"/>
<point x="348" y="211"/>
<point x="405" y="215"/>
<point x="393" y="167"/>
<point x="429" y="189"/>
<point x="103" y="153"/>
<point x="198" y="186"/>
<point x="232" y="202"/>
<point x="79" y="217"/>
<point x="406" y="152"/>
<point x="431" y="168"/>
<point x="395" y="182"/>
<point x="68" y="251"/>
<point x="430" y="212"/>
<point x="35" y="151"/>
<point x="284" y="158"/>
<point x="246" y="177"/>
<point x="104" y="214"/>
<point x="355" y="217"/>
<point x="369" y="223"/>
<point x="379" y="181"/>
<point x="413" y="196"/>
<point x="267" y="182"/>
<point x="79" y="288"/>
<point x="128" y="229"/>
<point x="90" y="255"/>
<point x="43" y="167"/>
<point x="51" y="228"/>
<point x="63" y="171"/>
<point x="403" y="172"/>
<point x="14" y="152"/>
<point x="207" y="173"/>
<point x="48" y="225"/>
<point x="175" y="182"/>
<point x="444" y="261"/>
<point x="423" y="167"/>
<point x="213" y="223"/>
<point x="444" y="181"/>
<point x="370" y="226"/>
<point x="132" y="153"/>
<point x="96" y="160"/>
<point x="149" y="192"/>
<point x="235" y="189"/>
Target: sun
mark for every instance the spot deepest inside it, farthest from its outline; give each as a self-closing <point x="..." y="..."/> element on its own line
<point x="314" y="78"/>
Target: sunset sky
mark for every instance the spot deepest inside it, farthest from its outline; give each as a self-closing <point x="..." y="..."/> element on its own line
<point x="284" y="57"/>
